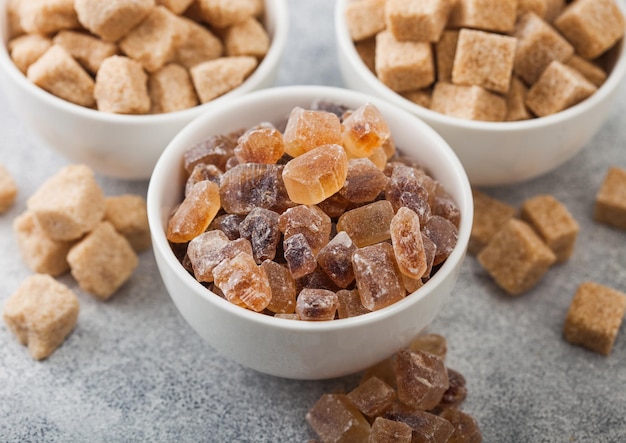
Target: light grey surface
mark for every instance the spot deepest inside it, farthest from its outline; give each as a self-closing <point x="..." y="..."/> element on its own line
<point x="133" y="370"/>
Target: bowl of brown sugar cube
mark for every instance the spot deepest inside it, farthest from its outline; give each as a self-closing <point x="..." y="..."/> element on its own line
<point x="309" y="232"/>
<point x="516" y="87"/>
<point x="109" y="83"/>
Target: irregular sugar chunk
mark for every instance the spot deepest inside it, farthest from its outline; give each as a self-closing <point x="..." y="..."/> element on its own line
<point x="488" y="15"/>
<point x="215" y="150"/>
<point x="610" y="204"/>
<point x="122" y="86"/>
<point x="198" y="45"/>
<point x="88" y="50"/>
<point x="336" y="420"/>
<point x="316" y="175"/>
<point x="217" y="77"/>
<point x="260" y="145"/>
<point x="309" y="221"/>
<point x="432" y="343"/>
<point x="406" y="239"/>
<point x="364" y="131"/>
<point x="445" y="49"/>
<point x="307" y="130"/>
<point x="372" y="396"/>
<point x="41" y="313"/>
<point x="8" y="190"/>
<point x="228" y="224"/>
<point x="490" y="215"/>
<point x="404" y="189"/>
<point x="335" y="259"/>
<point x="368" y="224"/>
<point x="316" y="304"/>
<point x="195" y="213"/>
<point x="335" y="205"/>
<point x="171" y="90"/>
<point x="299" y="255"/>
<point x="247" y="38"/>
<point x="444" y="234"/>
<point x="317" y="279"/>
<point x="377" y="276"/>
<point x="456" y="392"/>
<point x="349" y="304"/>
<point x="592" y="72"/>
<point x="205" y="252"/>
<point x="102" y="261"/>
<point x="283" y="288"/>
<point x="47" y="16"/>
<point x="242" y="281"/>
<point x="468" y="102"/>
<point x="426" y="427"/>
<point x="466" y="428"/>
<point x="224" y="13"/>
<point x="422" y="379"/>
<point x="129" y="216"/>
<point x="417" y="20"/>
<point x="516" y="101"/>
<point x="390" y="431"/>
<point x="26" y="49"/>
<point x="113" y="19"/>
<point x="202" y="172"/>
<point x="365" y="19"/>
<point x="411" y="284"/>
<point x="260" y="227"/>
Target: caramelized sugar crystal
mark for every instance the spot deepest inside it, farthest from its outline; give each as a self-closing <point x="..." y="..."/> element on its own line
<point x="202" y="172"/>
<point x="215" y="150"/>
<point x="260" y="145"/>
<point x="377" y="276"/>
<point x="466" y="428"/>
<point x="422" y="379"/>
<point x="336" y="259"/>
<point x="350" y="304"/>
<point x="307" y="130"/>
<point x="367" y="224"/>
<point x="406" y="239"/>
<point x="316" y="175"/>
<point x="309" y="221"/>
<point x="335" y="419"/>
<point x="372" y="396"/>
<point x="404" y="189"/>
<point x="228" y="224"/>
<point x="299" y="255"/>
<point x="390" y="431"/>
<point x="195" y="213"/>
<point x="444" y="235"/>
<point x="365" y="130"/>
<point x="283" y="288"/>
<point x="209" y="249"/>
<point x="334" y="206"/>
<point x="426" y="427"/>
<point x="364" y="181"/>
<point x="242" y="281"/>
<point x="432" y="343"/>
<point x="261" y="227"/>
<point x="316" y="304"/>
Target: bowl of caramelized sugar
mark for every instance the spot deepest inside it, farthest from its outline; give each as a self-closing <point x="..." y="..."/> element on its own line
<point x="309" y="232"/>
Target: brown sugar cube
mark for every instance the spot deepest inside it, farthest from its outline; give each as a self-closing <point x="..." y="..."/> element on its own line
<point x="335" y="419"/>
<point x="592" y="26"/>
<point x="445" y="49"/>
<point x="554" y="224"/>
<point x="610" y="207"/>
<point x="422" y="379"/>
<point x="47" y="16"/>
<point x="59" y="74"/>
<point x="129" y="216"/>
<point x="468" y="102"/>
<point x="224" y="13"/>
<point x="417" y="20"/>
<point x="89" y="51"/>
<point x="403" y="66"/>
<point x="390" y="431"/>
<point x="546" y="9"/>
<point x="365" y="18"/>
<point x="516" y="258"/>
<point x="199" y="45"/>
<point x="121" y="86"/>
<point x="154" y="41"/>
<point x="41" y="313"/>
<point x="171" y="89"/>
<point x="112" y="19"/>
<point x="488" y="15"/>
<point x="422" y="97"/>
<point x="484" y="59"/>
<point x="516" y="109"/>
<point x="246" y="38"/>
<point x="14" y="25"/>
<point x="68" y="204"/>
<point x="594" y="317"/>
<point x="589" y="70"/>
<point x="102" y="261"/>
<point x="367" y="51"/>
<point x="40" y="253"/>
<point x="489" y="216"/>
<point x="372" y="396"/>
<point x="8" y="190"/>
<point x="558" y="88"/>
<point x="216" y="77"/>
<point x="538" y="45"/>
<point x="26" y="49"/>
<point x="176" y="6"/>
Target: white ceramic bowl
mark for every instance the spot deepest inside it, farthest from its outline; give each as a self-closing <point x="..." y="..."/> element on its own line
<point x="122" y="146"/>
<point x="495" y="153"/>
<point x="291" y="348"/>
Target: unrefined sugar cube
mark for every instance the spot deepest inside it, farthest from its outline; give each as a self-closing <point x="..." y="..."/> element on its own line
<point x="26" y="49"/>
<point x="490" y="215"/>
<point x="422" y="379"/>
<point x="102" y="261"/>
<point x="466" y="428"/>
<point x="377" y="276"/>
<point x="421" y="97"/>
<point x="369" y="224"/>
<point x="195" y="213"/>
<point x="316" y="304"/>
<point x="390" y="431"/>
<point x="445" y="50"/>
<point x="516" y="101"/>
<point x="260" y="145"/>
<point x="8" y="190"/>
<point x="310" y="129"/>
<point x="224" y="13"/>
<point x="592" y="26"/>
<point x="417" y="20"/>
<point x="546" y="9"/>
<point x="215" y="150"/>
<point x="260" y="227"/>
<point x="199" y="45"/>
<point x="129" y="216"/>
<point x="364" y="131"/>
<point x="176" y="6"/>
<point x="247" y="38"/>
<point x="372" y="396"/>
<point x="558" y="88"/>
<point x="432" y="343"/>
<point x="283" y="288"/>
<point x="592" y="72"/>
<point x="41" y="313"/>
<point x="171" y="89"/>
<point x="335" y="259"/>
<point x="69" y="204"/>
<point x="468" y="102"/>
<point x="243" y="282"/>
<point x="57" y="72"/>
<point x="349" y="304"/>
<point x="122" y="86"/>
<point x="112" y="19"/>
<point x="444" y="234"/>
<point x="488" y="15"/>
<point x="89" y="51"/>
<point x="554" y="224"/>
<point x="335" y="419"/>
<point x="516" y="258"/>
<point x="365" y="18"/>
<point x="216" y="77"/>
<point x="484" y="59"/>
<point x="426" y="427"/>
<point x="403" y="66"/>
<point x="406" y="239"/>
<point x="594" y="317"/>
<point x="610" y="206"/>
<point x="41" y="254"/>
<point x="47" y="16"/>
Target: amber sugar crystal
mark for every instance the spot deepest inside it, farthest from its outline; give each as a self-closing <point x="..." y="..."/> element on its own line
<point x="406" y="239"/>
<point x="261" y="227"/>
<point x="422" y="379"/>
<point x="260" y="145"/>
<point x="195" y="213"/>
<point x="465" y="426"/>
<point x="335" y="419"/>
<point x="369" y="224"/>
<point x="364" y="131"/>
<point x="307" y="130"/>
<point x="316" y="304"/>
<point x="309" y="221"/>
<point x="426" y="427"/>
<point x="432" y="343"/>
<point x="336" y="259"/>
<point x="390" y="431"/>
<point x="242" y="281"/>
<point x="283" y="288"/>
<point x="372" y="396"/>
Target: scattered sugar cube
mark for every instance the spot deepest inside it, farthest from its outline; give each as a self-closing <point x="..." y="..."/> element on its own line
<point x="224" y="13"/>
<point x="41" y="313"/>
<point x="610" y="207"/>
<point x="365" y="18"/>
<point x="121" y="86"/>
<point x="246" y="38"/>
<point x="386" y="431"/>
<point x="488" y="15"/>
<point x="69" y="204"/>
<point x="372" y="396"/>
<point x="592" y="72"/>
<point x="57" y="72"/>
<point x="468" y="102"/>
<point x="89" y="51"/>
<point x="465" y="426"/>
<point x="426" y="427"/>
<point x="176" y="6"/>
<point x="594" y="317"/>
<point x="592" y="26"/>
<point x="40" y="253"/>
<point x="367" y="51"/>
<point x="26" y="49"/>
<point x="432" y="343"/>
<point x="538" y="45"/>
<point x="484" y="59"/>
<point x="335" y="419"/>
<point x="8" y="190"/>
<point x="47" y="16"/>
<point x="112" y="19"/>
<point x="403" y="66"/>
<point x="217" y="77"/>
<point x="171" y="89"/>
<point x="516" y="258"/>
<point x="490" y="215"/>
<point x="417" y="20"/>
<point x="558" y="88"/>
<point x="102" y="261"/>
<point x="445" y="49"/>
<point x="516" y="109"/>
<point x="129" y="216"/>
<point x="422" y="379"/>
<point x="199" y="45"/>
<point x="554" y="224"/>
<point x="422" y="97"/>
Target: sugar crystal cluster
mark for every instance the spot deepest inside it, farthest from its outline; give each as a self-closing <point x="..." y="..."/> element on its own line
<point x="323" y="220"/>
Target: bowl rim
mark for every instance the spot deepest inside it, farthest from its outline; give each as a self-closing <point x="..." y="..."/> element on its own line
<point x="262" y="71"/>
<point x="346" y="48"/>
<point x="172" y="156"/>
